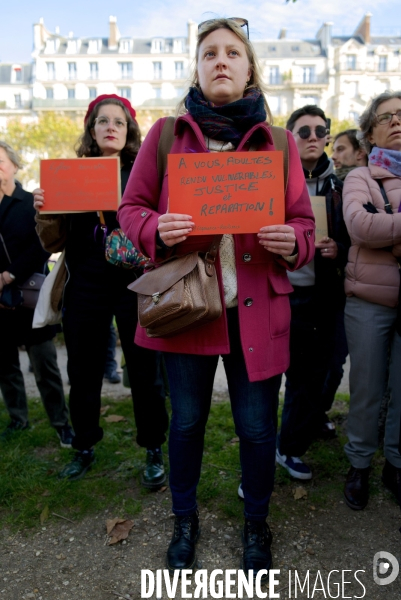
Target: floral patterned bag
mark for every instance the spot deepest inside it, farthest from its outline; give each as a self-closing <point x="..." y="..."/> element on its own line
<point x="120" y="251"/>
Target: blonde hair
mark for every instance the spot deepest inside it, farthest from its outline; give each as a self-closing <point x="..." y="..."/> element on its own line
<point x="12" y="154"/>
<point x="256" y="79"/>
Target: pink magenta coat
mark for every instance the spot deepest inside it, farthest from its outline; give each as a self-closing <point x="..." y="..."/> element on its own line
<point x="262" y="278"/>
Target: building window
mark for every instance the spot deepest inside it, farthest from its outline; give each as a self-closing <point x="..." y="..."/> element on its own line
<point x="71" y="93"/>
<point x="72" y="46"/>
<point x="49" y="94"/>
<point x="179" y="92"/>
<point x="72" y="70"/>
<point x="125" y="92"/>
<point x="125" y="46"/>
<point x="382" y="64"/>
<point x="308" y="75"/>
<point x="353" y="89"/>
<point x="17" y="74"/>
<point x="125" y="70"/>
<point x="157" y="70"/>
<point x="272" y="49"/>
<point x="51" y="72"/>
<point x="94" y="70"/>
<point x="178" y="46"/>
<point x="17" y="101"/>
<point x="94" y="46"/>
<point x="157" y="45"/>
<point x="354" y="116"/>
<point x="157" y="92"/>
<point x="351" y="62"/>
<point x="179" y="69"/>
<point x="92" y="93"/>
<point x="274" y="75"/>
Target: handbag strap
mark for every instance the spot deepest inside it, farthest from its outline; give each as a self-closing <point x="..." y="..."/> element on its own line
<point x="164" y="146"/>
<point x="387" y="204"/>
<point x="5" y="248"/>
<point x="281" y="143"/>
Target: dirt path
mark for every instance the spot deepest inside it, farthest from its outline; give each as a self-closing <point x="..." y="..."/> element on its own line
<point x="72" y="561"/>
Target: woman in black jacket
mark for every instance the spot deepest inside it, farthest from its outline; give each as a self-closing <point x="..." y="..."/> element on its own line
<point x="21" y="254"/>
<point x="94" y="292"/>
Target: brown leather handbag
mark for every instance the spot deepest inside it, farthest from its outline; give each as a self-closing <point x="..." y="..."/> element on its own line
<point x="179" y="294"/>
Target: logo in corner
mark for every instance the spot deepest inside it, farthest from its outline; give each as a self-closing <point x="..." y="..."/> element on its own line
<point x="385" y="564"/>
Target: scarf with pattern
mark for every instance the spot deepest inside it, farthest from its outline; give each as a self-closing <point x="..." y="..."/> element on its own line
<point x="229" y="122"/>
<point x="388" y="159"/>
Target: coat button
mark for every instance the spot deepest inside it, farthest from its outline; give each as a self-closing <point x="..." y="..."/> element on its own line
<point x="143" y="214"/>
<point x="246" y="257"/>
<point x="248" y="301"/>
<point x="250" y="349"/>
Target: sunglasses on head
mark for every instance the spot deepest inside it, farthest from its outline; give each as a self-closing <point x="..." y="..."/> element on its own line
<point x="305" y="131"/>
<point x="237" y="20"/>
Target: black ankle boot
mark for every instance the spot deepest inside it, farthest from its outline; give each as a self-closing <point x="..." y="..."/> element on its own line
<point x="257" y="539"/>
<point x="153" y="476"/>
<point x="181" y="551"/>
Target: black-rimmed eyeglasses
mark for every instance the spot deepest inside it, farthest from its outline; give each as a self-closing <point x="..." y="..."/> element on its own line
<point x="305" y="132"/>
<point x="237" y="20"/>
<point x="385" y="118"/>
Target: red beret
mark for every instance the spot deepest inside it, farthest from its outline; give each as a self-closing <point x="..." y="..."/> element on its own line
<point x="126" y="103"/>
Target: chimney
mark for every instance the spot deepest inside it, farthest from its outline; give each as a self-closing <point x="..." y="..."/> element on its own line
<point x="192" y="37"/>
<point x="363" y="29"/>
<point x="324" y="35"/>
<point x="114" y="34"/>
<point x="283" y="34"/>
<point x="40" y="35"/>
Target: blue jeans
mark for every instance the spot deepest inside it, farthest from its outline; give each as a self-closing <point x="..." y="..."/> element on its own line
<point x="254" y="409"/>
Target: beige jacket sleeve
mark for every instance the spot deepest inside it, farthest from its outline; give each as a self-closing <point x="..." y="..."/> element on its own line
<point x="52" y="231"/>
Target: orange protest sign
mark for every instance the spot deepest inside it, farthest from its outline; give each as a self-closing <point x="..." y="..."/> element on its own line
<point x="231" y="192"/>
<point x="80" y="184"/>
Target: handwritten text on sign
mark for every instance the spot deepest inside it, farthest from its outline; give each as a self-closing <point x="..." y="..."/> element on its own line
<point x="231" y="192"/>
<point x="80" y="184"/>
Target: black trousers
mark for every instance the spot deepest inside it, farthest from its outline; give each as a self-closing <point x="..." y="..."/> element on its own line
<point x="312" y="337"/>
<point x="95" y="293"/>
<point x="16" y="329"/>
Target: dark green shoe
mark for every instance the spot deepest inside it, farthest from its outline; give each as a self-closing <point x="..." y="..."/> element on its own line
<point x="80" y="464"/>
<point x="12" y="428"/>
<point x="154" y="476"/>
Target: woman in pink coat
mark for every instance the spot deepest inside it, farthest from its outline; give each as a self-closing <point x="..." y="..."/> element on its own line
<point x="371" y="201"/>
<point x="225" y="110"/>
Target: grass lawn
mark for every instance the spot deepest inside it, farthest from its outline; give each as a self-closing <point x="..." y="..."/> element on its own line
<point x="30" y="491"/>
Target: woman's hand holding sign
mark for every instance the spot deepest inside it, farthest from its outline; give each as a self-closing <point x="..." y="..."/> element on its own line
<point x="174" y="228"/>
<point x="38" y="198"/>
<point x="279" y="239"/>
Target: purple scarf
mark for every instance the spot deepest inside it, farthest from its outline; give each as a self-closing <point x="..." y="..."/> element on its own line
<point x="230" y="122"/>
<point x="387" y="159"/>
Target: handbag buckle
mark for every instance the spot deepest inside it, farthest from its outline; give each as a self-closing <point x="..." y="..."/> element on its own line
<point x="156" y="297"/>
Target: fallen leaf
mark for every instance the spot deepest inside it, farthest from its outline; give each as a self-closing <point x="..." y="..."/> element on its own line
<point x="114" y="419"/>
<point x="46" y="493"/>
<point x="104" y="409"/>
<point x="162" y="489"/>
<point x="44" y="515"/>
<point x="310" y="551"/>
<point x="118" y="529"/>
<point x="299" y="493"/>
<point x="234" y="440"/>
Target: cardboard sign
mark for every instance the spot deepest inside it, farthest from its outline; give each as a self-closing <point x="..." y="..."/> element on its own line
<point x="80" y="184"/>
<point x="320" y="212"/>
<point x="228" y="192"/>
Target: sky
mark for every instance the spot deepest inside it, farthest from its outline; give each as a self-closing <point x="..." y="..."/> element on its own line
<point x="168" y="18"/>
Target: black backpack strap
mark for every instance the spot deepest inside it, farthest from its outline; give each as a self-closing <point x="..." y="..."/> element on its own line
<point x="164" y="146"/>
<point x="387" y="205"/>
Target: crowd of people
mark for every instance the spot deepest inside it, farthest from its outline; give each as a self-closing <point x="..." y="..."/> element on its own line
<point x="292" y="304"/>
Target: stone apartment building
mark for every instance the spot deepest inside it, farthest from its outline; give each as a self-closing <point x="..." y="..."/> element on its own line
<point x="340" y="73"/>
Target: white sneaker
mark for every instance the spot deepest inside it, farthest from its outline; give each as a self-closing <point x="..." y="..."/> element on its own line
<point x="294" y="465"/>
<point x="240" y="492"/>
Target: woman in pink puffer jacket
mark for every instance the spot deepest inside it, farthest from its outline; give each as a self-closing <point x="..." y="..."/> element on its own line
<point x="371" y="201"/>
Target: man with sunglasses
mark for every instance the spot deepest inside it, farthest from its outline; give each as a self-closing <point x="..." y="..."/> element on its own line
<point x="317" y="341"/>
